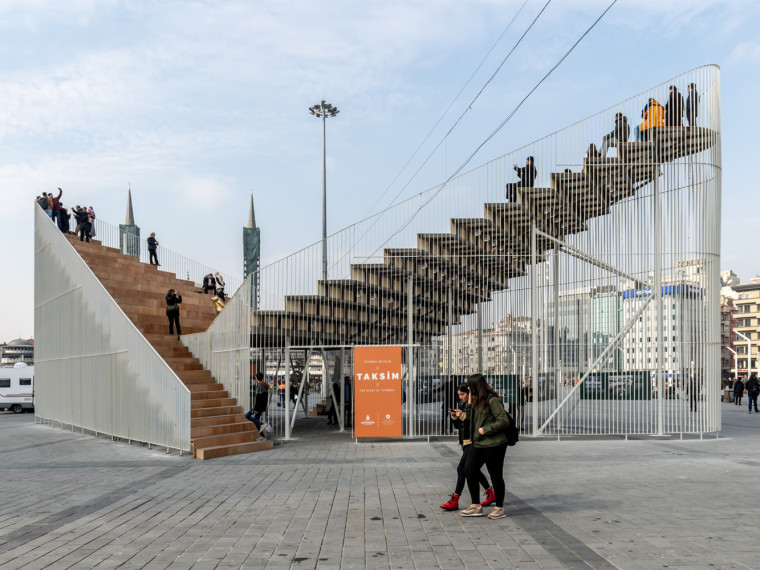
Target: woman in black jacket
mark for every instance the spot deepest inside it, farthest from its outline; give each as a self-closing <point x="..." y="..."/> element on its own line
<point x="173" y="301"/>
<point x="461" y="420"/>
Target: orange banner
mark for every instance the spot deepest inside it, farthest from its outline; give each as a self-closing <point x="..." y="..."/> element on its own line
<point x="377" y="391"/>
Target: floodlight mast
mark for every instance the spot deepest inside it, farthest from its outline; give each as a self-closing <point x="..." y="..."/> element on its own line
<point x="322" y="111"/>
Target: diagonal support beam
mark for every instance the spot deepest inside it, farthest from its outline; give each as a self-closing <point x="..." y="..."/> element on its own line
<point x="583" y="256"/>
<point x="612" y="346"/>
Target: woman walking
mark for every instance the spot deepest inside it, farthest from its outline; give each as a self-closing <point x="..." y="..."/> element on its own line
<point x="173" y="301"/>
<point x="461" y="418"/>
<point x="489" y="421"/>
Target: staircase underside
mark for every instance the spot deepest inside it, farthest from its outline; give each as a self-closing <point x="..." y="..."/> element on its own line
<point x="478" y="257"/>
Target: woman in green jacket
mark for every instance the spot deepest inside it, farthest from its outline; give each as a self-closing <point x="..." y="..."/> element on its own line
<point x="489" y="422"/>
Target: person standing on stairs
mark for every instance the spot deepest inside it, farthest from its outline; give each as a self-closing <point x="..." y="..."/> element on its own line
<point x="674" y="108"/>
<point x="152" y="247"/>
<point x="619" y="134"/>
<point x="220" y="286"/>
<point x="527" y="176"/>
<point x="209" y="284"/>
<point x="83" y="223"/>
<point x="692" y="105"/>
<point x="173" y="300"/>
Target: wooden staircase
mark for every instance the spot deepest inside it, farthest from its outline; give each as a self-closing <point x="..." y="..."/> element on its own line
<point x="218" y="426"/>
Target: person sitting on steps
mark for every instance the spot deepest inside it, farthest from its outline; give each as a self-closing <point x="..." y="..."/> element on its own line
<point x="619" y="134"/>
<point x="527" y="176"/>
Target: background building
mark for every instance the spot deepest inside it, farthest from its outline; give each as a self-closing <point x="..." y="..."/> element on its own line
<point x="747" y="305"/>
<point x="18" y="350"/>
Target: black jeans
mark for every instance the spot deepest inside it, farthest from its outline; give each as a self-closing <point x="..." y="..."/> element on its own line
<point x="84" y="231"/>
<point x="174" y="319"/>
<point x="493" y="458"/>
<point x="153" y="257"/>
<point x="461" y="476"/>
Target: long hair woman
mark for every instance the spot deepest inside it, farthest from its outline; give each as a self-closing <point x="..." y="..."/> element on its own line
<point x="489" y="421"/>
<point x="461" y="418"/>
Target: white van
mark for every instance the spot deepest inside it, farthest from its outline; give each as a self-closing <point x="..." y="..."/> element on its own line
<point x="17" y="388"/>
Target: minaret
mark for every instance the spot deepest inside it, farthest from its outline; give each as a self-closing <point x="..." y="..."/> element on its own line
<point x="129" y="233"/>
<point x="252" y="254"/>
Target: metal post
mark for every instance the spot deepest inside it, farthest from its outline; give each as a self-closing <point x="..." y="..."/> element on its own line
<point x="324" y="198"/>
<point x="479" y="313"/>
<point x="450" y="339"/>
<point x="533" y="329"/>
<point x="287" y="387"/>
<point x="555" y="339"/>
<point x="342" y="407"/>
<point x="657" y="296"/>
<point x="410" y="354"/>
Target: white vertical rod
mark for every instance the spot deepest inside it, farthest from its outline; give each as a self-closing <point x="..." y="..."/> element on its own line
<point x="342" y="407"/>
<point x="479" y="313"/>
<point x="288" y="364"/>
<point x="450" y="339"/>
<point x="410" y="353"/>
<point x="657" y="293"/>
<point x="555" y="340"/>
<point x="533" y="328"/>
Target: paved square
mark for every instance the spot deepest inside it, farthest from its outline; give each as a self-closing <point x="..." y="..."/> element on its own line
<point x="323" y="501"/>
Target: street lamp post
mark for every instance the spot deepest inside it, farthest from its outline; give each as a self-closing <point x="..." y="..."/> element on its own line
<point x="324" y="110"/>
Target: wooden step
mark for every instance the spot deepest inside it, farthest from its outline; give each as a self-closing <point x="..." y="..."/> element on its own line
<point x="224" y="439"/>
<point x="209" y="395"/>
<point x="222" y="429"/>
<point x="211" y="411"/>
<point x="218" y="420"/>
<point x="212" y="403"/>
<point x="225" y="450"/>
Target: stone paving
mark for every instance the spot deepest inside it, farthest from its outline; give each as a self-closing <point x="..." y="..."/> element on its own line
<point x="324" y="501"/>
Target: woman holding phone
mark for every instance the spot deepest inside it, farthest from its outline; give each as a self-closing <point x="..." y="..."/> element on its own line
<point x="460" y="416"/>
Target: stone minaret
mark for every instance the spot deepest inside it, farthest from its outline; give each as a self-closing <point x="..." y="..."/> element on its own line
<point x="129" y="233"/>
<point x="252" y="254"/>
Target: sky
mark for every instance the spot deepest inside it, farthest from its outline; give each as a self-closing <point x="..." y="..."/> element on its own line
<point x="198" y="104"/>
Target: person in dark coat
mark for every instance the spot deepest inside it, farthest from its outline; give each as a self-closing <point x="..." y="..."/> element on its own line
<point x="619" y="134"/>
<point x="738" y="392"/>
<point x="209" y="284"/>
<point x="753" y="391"/>
<point x="674" y="108"/>
<point x="527" y="176"/>
<point x="83" y="223"/>
<point x="692" y="105"/>
<point x="152" y="246"/>
<point x="173" y="300"/>
<point x="332" y="409"/>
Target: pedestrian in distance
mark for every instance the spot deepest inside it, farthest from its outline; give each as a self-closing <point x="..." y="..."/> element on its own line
<point x="738" y="392"/>
<point x="674" y="108"/>
<point x="489" y="422"/>
<point x="753" y="390"/>
<point x="332" y="408"/>
<point x="152" y="247"/>
<point x="692" y="105"/>
<point x="619" y="134"/>
<point x="219" y="286"/>
<point x="527" y="176"/>
<point x="460" y="416"/>
<point x="173" y="301"/>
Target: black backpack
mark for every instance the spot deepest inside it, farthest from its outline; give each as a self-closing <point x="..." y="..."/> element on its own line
<point x="511" y="431"/>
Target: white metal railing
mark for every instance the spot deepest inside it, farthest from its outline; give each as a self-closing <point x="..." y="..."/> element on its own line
<point x="94" y="370"/>
<point x="185" y="268"/>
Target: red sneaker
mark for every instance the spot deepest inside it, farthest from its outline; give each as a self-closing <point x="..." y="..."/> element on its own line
<point x="452" y="504"/>
<point x="490" y="497"/>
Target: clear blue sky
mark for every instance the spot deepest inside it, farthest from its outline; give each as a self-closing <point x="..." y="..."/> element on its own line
<point x="195" y="104"/>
